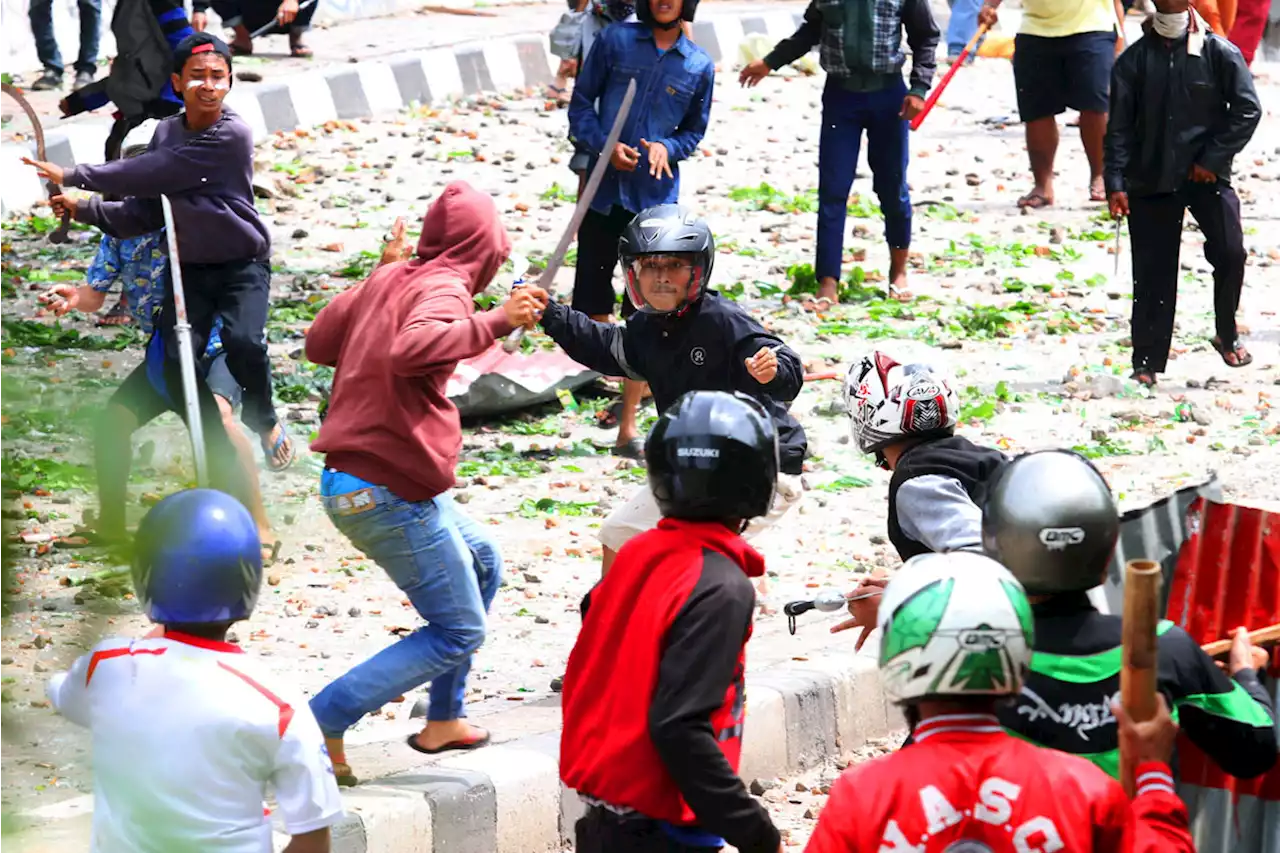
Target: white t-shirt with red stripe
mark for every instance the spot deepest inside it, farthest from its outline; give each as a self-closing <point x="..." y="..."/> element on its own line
<point x="188" y="736"/>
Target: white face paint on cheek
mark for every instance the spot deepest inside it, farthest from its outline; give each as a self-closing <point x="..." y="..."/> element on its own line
<point x="220" y="85"/>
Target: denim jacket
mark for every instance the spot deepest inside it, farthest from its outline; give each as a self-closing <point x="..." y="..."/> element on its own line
<point x="672" y="106"/>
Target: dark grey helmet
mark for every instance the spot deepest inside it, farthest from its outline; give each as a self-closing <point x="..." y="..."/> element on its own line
<point x="1050" y="519"/>
<point x="668" y="229"/>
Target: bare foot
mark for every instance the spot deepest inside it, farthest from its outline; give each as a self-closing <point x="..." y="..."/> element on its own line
<point x="898" y="259"/>
<point x="829" y="289"/>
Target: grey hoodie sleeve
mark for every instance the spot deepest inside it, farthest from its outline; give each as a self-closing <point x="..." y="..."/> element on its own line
<point x="936" y="512"/>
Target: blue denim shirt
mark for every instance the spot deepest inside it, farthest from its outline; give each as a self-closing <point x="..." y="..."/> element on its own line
<point x="672" y="106"/>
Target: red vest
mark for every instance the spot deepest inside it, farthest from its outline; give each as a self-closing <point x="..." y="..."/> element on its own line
<point x="605" y="749"/>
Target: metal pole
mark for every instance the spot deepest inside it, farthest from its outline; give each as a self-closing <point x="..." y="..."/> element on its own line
<point x="186" y="357"/>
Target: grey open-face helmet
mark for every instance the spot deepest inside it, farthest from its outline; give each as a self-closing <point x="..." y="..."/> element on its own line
<point x="1050" y="519"/>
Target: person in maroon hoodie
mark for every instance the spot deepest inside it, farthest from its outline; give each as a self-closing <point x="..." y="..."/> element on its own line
<point x="391" y="439"/>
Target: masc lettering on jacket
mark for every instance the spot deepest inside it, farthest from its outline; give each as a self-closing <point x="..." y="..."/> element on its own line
<point x="994" y="807"/>
<point x="1082" y="718"/>
<point x="698" y="452"/>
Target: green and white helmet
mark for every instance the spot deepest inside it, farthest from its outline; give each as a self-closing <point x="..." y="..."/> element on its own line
<point x="956" y="624"/>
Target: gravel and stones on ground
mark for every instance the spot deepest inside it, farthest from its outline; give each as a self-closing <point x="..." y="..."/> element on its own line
<point x="1025" y="309"/>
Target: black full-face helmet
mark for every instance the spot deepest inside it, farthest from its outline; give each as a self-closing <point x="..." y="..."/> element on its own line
<point x="669" y="230"/>
<point x="713" y="455"/>
<point x="644" y="12"/>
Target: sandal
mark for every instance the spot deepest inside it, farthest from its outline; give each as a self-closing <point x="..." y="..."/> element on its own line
<point x="608" y="418"/>
<point x="459" y="745"/>
<point x="271" y="452"/>
<point x="633" y="449"/>
<point x="241" y="50"/>
<point x="559" y="94"/>
<point x="297" y="49"/>
<point x="1234" y="356"/>
<point x="1144" y="377"/>
<point x="117" y="316"/>
<point x="270" y="553"/>
<point x="1034" y="200"/>
<point x="1097" y="195"/>
<point x="342" y="772"/>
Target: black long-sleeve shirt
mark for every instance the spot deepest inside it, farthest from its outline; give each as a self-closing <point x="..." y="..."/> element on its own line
<point x="1172" y="108"/>
<point x="704" y="350"/>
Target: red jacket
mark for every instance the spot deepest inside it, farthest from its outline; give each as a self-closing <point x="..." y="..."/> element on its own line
<point x="964" y="779"/>
<point x="395" y="341"/>
<point x="653" y="693"/>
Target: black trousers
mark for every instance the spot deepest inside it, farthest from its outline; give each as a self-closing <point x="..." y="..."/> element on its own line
<point x="1155" y="230"/>
<point x="139" y="396"/>
<point x="239" y="292"/>
<point x="598" y="237"/>
<point x="159" y="108"/>
<point x="602" y="831"/>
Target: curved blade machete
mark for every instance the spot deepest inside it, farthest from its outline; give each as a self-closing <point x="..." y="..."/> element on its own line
<point x="60" y="235"/>
<point x="512" y="343"/>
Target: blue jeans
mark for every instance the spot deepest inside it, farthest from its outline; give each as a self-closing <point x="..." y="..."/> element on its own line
<point x="845" y="115"/>
<point x="450" y="570"/>
<point x="962" y="26"/>
<point x="41" y="14"/>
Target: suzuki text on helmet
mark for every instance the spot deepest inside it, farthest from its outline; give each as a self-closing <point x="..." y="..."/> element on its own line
<point x="889" y="402"/>
<point x="667" y="252"/>
<point x="952" y="626"/>
<point x="1049" y="518"/>
<point x="197" y="560"/>
<point x="713" y="456"/>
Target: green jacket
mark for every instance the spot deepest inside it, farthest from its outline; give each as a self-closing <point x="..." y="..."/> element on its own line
<point x="1075" y="671"/>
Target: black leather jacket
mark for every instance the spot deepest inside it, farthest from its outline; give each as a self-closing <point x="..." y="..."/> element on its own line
<point x="1170" y="109"/>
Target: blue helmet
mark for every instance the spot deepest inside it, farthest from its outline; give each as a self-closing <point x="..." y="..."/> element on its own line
<point x="197" y="559"/>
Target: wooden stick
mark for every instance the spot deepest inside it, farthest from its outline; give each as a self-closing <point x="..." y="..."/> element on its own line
<point x="1269" y="634"/>
<point x="1138" y="674"/>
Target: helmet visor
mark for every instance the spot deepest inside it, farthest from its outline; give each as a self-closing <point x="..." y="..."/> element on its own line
<point x="663" y="284"/>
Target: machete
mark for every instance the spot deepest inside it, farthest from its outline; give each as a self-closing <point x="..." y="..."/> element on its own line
<point x="512" y="343"/>
<point x="59" y="235"/>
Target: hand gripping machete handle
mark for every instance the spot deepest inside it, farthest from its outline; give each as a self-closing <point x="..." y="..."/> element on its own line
<point x="60" y="235"/>
<point x="512" y="343"/>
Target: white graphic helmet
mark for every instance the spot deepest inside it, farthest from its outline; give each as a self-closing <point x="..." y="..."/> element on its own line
<point x="955" y="624"/>
<point x="888" y="401"/>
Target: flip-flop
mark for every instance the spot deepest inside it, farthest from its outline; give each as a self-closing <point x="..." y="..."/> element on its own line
<point x="272" y="465"/>
<point x="633" y="449"/>
<point x="237" y="50"/>
<point x="458" y="745"/>
<point x="1097" y="195"/>
<point x="117" y="316"/>
<point x="1034" y="201"/>
<point x="1242" y="355"/>
<point x="1145" y="378"/>
<point x="608" y="418"/>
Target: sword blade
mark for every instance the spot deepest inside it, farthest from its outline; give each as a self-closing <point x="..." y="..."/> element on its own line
<point x="584" y="204"/>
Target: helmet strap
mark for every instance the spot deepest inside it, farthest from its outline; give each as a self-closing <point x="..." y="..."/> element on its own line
<point x="881" y="461"/>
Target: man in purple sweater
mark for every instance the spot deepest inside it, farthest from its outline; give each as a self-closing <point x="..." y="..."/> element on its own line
<point x="203" y="160"/>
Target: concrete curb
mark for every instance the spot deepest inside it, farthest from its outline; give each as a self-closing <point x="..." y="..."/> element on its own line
<point x="508" y="798"/>
<point x="366" y="89"/>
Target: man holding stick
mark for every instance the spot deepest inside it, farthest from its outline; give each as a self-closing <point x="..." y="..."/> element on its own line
<point x="957" y="639"/>
<point x="1058" y="542"/>
<point x="860" y="47"/>
<point x="203" y="160"/>
<point x="1062" y="60"/>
